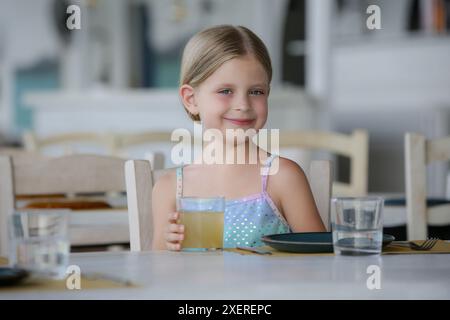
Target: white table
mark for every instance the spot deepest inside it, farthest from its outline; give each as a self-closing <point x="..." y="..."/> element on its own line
<point x="171" y="275"/>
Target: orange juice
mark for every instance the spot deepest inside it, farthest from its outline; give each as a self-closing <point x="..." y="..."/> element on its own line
<point x="202" y="229"/>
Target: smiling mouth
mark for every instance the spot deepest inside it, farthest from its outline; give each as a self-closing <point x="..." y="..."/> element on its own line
<point x="241" y="121"/>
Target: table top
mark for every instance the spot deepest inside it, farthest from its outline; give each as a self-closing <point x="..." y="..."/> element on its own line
<point x="229" y="275"/>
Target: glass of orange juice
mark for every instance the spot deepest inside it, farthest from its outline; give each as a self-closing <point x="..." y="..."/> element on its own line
<point x="203" y="222"/>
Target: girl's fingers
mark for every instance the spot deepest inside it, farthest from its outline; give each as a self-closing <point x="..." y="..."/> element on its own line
<point x="175" y="228"/>
<point x="173" y="217"/>
<point x="173" y="246"/>
<point x="174" y="233"/>
<point x="174" y="237"/>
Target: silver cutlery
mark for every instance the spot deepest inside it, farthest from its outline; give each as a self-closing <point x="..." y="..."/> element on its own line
<point x="255" y="250"/>
<point x="425" y="246"/>
<point x="98" y="276"/>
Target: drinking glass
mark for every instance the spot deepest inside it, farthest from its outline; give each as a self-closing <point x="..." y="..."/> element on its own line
<point x="203" y="222"/>
<point x="357" y="225"/>
<point x="39" y="241"/>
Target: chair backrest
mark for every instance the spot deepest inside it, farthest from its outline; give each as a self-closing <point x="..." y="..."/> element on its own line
<point x="110" y="144"/>
<point x="125" y="141"/>
<point x="67" y="141"/>
<point x="140" y="180"/>
<point x="130" y="139"/>
<point x="355" y="146"/>
<point x="33" y="174"/>
<point x="419" y="152"/>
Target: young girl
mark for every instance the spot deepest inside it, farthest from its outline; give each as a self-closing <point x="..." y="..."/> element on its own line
<point x="225" y="83"/>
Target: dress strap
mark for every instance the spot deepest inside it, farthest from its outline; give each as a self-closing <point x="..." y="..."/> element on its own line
<point x="179" y="182"/>
<point x="266" y="169"/>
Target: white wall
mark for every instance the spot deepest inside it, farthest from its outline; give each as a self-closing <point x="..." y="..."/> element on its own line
<point x="404" y="73"/>
<point x="391" y="87"/>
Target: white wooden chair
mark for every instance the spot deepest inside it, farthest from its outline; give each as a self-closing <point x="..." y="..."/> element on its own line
<point x="33" y="174"/>
<point x="109" y="144"/>
<point x="72" y="143"/>
<point x="419" y="152"/>
<point x="355" y="146"/>
<point x="140" y="180"/>
<point x="125" y="141"/>
<point x="105" y="143"/>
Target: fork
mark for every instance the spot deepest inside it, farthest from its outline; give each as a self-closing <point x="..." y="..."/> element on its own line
<point x="255" y="250"/>
<point x="425" y="246"/>
<point x="98" y="276"/>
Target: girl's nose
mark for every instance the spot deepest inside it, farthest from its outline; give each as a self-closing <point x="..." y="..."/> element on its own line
<point x="242" y="104"/>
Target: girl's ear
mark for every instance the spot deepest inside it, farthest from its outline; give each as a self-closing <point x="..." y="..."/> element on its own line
<point x="188" y="99"/>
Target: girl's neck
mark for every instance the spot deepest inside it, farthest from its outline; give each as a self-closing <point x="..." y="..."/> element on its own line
<point x="219" y="152"/>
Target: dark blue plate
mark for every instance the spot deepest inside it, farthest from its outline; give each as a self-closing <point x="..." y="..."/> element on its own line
<point x="307" y="242"/>
<point x="11" y="276"/>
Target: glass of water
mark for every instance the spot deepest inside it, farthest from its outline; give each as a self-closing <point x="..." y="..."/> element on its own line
<point x="357" y="225"/>
<point x="39" y="242"/>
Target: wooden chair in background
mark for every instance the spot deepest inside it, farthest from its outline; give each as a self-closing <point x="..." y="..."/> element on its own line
<point x="126" y="141"/>
<point x="33" y="174"/>
<point x="355" y="146"/>
<point x="109" y="144"/>
<point x="104" y="143"/>
<point x="140" y="180"/>
<point x="419" y="152"/>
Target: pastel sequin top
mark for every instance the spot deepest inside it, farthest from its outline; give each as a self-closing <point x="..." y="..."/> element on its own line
<point x="247" y="219"/>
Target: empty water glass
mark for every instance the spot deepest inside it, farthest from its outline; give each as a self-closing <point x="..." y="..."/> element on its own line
<point x="39" y="241"/>
<point x="357" y="225"/>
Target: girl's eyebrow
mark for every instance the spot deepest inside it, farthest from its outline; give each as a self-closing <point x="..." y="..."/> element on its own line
<point x="259" y="85"/>
<point x="225" y="85"/>
<point x="232" y="85"/>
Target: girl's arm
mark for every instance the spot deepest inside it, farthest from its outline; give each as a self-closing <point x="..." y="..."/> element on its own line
<point x="166" y="233"/>
<point x="291" y="187"/>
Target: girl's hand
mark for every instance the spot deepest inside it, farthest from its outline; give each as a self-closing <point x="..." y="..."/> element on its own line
<point x="174" y="232"/>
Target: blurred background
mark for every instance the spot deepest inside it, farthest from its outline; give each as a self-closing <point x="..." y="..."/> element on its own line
<point x="119" y="72"/>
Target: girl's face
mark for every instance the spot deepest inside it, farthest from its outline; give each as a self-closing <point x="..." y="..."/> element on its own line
<point x="234" y="96"/>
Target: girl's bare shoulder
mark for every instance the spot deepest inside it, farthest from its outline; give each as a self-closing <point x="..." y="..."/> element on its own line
<point x="166" y="183"/>
<point x="288" y="166"/>
<point x="287" y="174"/>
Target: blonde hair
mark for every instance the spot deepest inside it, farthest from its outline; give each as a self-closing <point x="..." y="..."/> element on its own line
<point x="207" y="50"/>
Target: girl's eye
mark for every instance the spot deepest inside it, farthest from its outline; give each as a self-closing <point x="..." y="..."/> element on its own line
<point x="225" y="91"/>
<point x="256" y="92"/>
